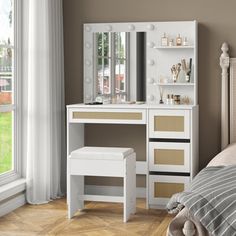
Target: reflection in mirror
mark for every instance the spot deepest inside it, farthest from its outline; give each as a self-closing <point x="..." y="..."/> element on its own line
<point x="120" y="65"/>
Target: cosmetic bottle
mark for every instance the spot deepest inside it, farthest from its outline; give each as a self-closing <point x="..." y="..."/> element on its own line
<point x="172" y="99"/>
<point x="168" y="99"/>
<point x="179" y="41"/>
<point x="171" y="42"/>
<point x="185" y="41"/>
<point x="164" y="40"/>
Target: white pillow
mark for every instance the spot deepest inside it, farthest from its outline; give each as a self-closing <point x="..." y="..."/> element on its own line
<point x="226" y="157"/>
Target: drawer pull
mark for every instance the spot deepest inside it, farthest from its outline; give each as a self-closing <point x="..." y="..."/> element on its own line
<point x="169" y="123"/>
<point x="166" y="190"/>
<point x="168" y="157"/>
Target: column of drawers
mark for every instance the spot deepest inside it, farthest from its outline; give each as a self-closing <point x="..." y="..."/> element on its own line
<point x="169" y="154"/>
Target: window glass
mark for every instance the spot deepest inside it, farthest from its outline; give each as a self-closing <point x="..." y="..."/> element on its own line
<point x="7" y="111"/>
<point x="120" y="44"/>
<point x="6" y="78"/>
<point x="120" y="76"/>
<point x="6" y="22"/>
<point x="103" y="44"/>
<point x="6" y="142"/>
<point x="111" y="69"/>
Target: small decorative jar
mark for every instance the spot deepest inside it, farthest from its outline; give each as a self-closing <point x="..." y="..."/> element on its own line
<point x="177" y="99"/>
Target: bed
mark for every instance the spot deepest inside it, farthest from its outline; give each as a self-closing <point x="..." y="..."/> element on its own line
<point x="186" y="222"/>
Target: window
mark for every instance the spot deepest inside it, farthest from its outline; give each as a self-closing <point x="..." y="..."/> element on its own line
<point x="112" y="64"/>
<point x="9" y="71"/>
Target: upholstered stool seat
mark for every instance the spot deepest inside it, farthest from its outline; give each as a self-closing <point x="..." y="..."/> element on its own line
<point x="101" y="161"/>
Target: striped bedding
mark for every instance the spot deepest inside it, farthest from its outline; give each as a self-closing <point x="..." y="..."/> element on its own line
<point x="211" y="199"/>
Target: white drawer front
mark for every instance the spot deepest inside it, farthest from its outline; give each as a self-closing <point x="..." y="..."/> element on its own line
<point x="169" y="157"/>
<point x="169" y="124"/>
<point x="94" y="167"/>
<point x="162" y="187"/>
<point x="108" y="116"/>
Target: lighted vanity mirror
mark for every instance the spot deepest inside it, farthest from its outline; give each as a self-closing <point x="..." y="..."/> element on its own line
<point x="114" y="62"/>
<point x="132" y="62"/>
<point x="119" y="65"/>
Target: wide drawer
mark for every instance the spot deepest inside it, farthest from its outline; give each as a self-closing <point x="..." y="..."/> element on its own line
<point x="108" y="116"/>
<point x="90" y="167"/>
<point x="169" y="124"/>
<point x="169" y="157"/>
<point x="162" y="187"/>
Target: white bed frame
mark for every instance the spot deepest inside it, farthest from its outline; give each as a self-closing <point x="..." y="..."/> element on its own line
<point x="228" y="111"/>
<point x="228" y="98"/>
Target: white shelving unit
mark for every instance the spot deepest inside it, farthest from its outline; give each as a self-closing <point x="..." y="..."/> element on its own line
<point x="161" y="58"/>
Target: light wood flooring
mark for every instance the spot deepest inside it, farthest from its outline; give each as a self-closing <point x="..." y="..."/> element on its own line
<point x="97" y="219"/>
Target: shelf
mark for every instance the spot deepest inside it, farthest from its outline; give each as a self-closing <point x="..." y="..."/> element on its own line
<point x="175" y="84"/>
<point x="174" y="47"/>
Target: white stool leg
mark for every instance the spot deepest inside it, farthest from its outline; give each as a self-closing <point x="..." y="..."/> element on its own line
<point x="75" y="187"/>
<point x="129" y="187"/>
<point x="133" y="180"/>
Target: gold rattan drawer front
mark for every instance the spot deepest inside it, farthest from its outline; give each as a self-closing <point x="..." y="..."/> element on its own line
<point x="166" y="190"/>
<point x="108" y="115"/>
<point x="169" y="123"/>
<point x="168" y="157"/>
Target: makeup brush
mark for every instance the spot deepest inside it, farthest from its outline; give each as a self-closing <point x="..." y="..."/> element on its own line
<point x="175" y="69"/>
<point x="187" y="68"/>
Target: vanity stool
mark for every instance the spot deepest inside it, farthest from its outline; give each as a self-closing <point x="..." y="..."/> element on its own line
<point x="101" y="161"/>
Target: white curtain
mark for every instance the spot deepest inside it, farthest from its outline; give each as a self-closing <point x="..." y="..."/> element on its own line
<point x="44" y="114"/>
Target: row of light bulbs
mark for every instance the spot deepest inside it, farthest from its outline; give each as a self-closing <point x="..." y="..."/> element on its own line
<point x="131" y="27"/>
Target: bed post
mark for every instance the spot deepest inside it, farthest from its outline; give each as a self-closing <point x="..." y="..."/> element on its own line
<point x="224" y="63"/>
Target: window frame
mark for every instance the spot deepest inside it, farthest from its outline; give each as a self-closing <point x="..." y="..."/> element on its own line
<point x="111" y="57"/>
<point x="15" y="107"/>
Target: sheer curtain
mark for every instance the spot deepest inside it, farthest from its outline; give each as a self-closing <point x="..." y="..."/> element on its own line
<point x="44" y="112"/>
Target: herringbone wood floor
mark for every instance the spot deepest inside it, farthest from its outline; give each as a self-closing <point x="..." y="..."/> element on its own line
<point x="98" y="219"/>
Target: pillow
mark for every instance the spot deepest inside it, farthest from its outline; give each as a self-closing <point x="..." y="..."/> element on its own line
<point x="226" y="157"/>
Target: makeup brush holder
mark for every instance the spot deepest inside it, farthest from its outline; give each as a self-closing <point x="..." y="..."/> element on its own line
<point x="175" y="78"/>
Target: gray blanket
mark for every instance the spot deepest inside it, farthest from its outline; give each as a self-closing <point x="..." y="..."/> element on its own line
<point x="211" y="199"/>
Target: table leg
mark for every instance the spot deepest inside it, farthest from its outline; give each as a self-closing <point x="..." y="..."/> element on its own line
<point x="75" y="187"/>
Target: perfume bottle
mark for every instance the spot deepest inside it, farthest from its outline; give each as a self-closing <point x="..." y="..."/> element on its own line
<point x="171" y="42"/>
<point x="179" y="41"/>
<point x="172" y="99"/>
<point x="164" y="40"/>
<point x="185" y="41"/>
<point x="168" y="99"/>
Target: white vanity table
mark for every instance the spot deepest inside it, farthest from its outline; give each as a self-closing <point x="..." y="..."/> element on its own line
<point x="171" y="130"/>
<point x="172" y="143"/>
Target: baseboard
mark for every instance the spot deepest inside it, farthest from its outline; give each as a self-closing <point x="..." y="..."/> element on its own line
<point x="112" y="190"/>
<point x="12" y="189"/>
<point x="12" y="204"/>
